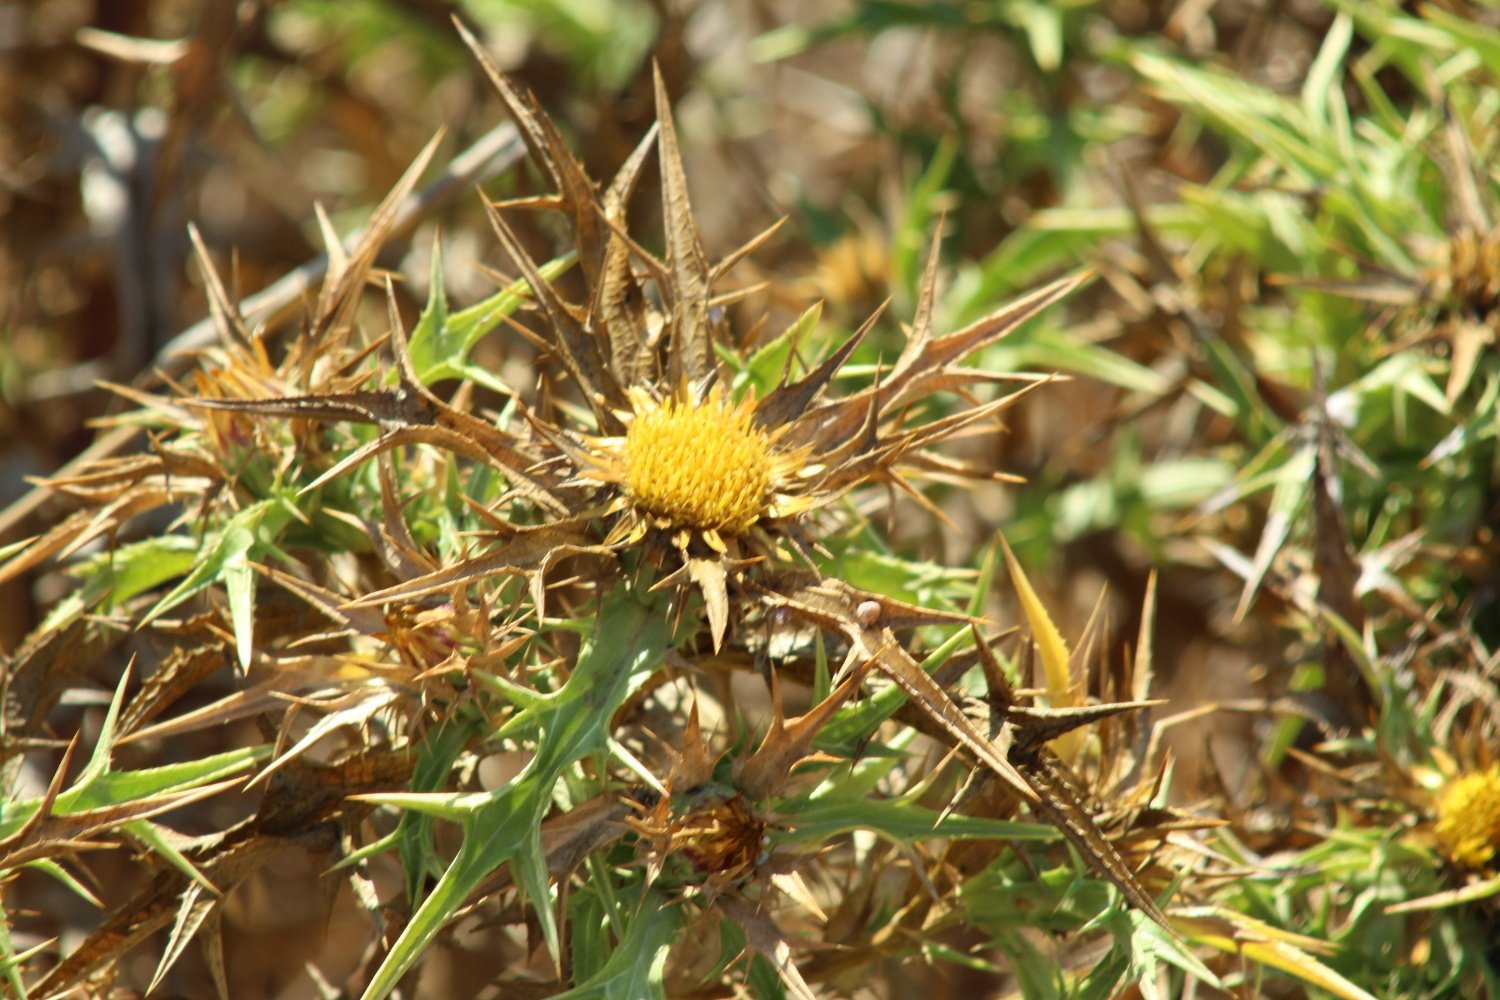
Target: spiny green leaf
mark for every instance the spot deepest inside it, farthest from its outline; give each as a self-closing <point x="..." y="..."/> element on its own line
<point x="239" y="589"/>
<point x="854" y="723"/>
<point x="439" y="750"/>
<point x="56" y="871"/>
<point x="249" y="532"/>
<point x="442" y="340"/>
<point x="1287" y="501"/>
<point x="112" y="788"/>
<point x="637" y="964"/>
<point x="122" y="573"/>
<point x="104" y="744"/>
<point x="502" y="827"/>
<point x="11" y="962"/>
<point x="819" y="820"/>
<point x="151" y="835"/>
<point x="918" y="222"/>
<point x="1150" y="944"/>
<point x="766" y="367"/>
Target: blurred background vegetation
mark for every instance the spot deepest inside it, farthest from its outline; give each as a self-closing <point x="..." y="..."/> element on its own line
<point x="1283" y="393"/>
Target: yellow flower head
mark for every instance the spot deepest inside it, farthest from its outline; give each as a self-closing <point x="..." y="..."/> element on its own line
<point x="705" y="466"/>
<point x="1468" y="819"/>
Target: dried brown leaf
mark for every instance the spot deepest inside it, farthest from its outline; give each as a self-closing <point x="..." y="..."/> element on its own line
<point x="786" y="744"/>
<point x="691" y="360"/>
<point x="765" y="938"/>
<point x="343" y="285"/>
<point x="837" y="606"/>
<point x="519" y="554"/>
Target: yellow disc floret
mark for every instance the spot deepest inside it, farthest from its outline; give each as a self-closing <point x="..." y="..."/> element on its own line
<point x="1468" y="819"/>
<point x="704" y="465"/>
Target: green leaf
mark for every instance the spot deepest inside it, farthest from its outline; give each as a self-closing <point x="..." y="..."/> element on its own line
<point x="1052" y="239"/>
<point x="441" y="341"/>
<point x="1237" y="934"/>
<point x="1104" y="979"/>
<point x="122" y="573"/>
<point x="915" y="231"/>
<point x="1466" y="35"/>
<point x="249" y="532"/>
<point x="637" y="965"/>
<point x="503" y="827"/>
<point x="150" y="834"/>
<point x="439" y="750"/>
<point x="910" y="580"/>
<point x="1322" y="96"/>
<point x="104" y="744"/>
<point x="1174" y="485"/>
<point x="52" y="868"/>
<point x="1293" y="488"/>
<point x="1258" y="118"/>
<point x="11" y="962"/>
<point x="119" y="787"/>
<point x="1150" y="943"/>
<point x="1053" y="350"/>
<point x="430" y="343"/>
<point x="1042" y="24"/>
<point x="455" y="806"/>
<point x="239" y="588"/>
<point x="766" y="366"/>
<point x="818" y="820"/>
<point x="852" y="725"/>
<point x="1039" y="975"/>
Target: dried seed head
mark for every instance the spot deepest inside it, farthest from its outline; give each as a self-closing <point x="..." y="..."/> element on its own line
<point x="1473" y="270"/>
<point x="1468" y="819"/>
<point x="705" y="465"/>
<point x="726" y="837"/>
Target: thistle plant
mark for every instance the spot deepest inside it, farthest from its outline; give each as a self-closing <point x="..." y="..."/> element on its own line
<point x="1362" y="397"/>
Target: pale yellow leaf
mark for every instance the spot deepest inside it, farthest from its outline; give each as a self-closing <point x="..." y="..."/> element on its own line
<point x="1054" y="653"/>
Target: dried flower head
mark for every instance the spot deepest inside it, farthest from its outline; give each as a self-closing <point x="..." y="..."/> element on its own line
<point x="1468" y="818"/>
<point x="1471" y="272"/>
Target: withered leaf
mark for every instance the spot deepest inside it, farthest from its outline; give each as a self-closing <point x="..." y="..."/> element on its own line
<point x="346" y="279"/>
<point x="692" y="355"/>
<point x="406" y="414"/>
<point x="1061" y="801"/>
<point x="519" y="553"/>
<point x="578" y="347"/>
<point x="1061" y="798"/>
<point x="786" y="743"/>
<point x="787" y="401"/>
<point x="836" y="606"/>
<point x="765" y="938"/>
